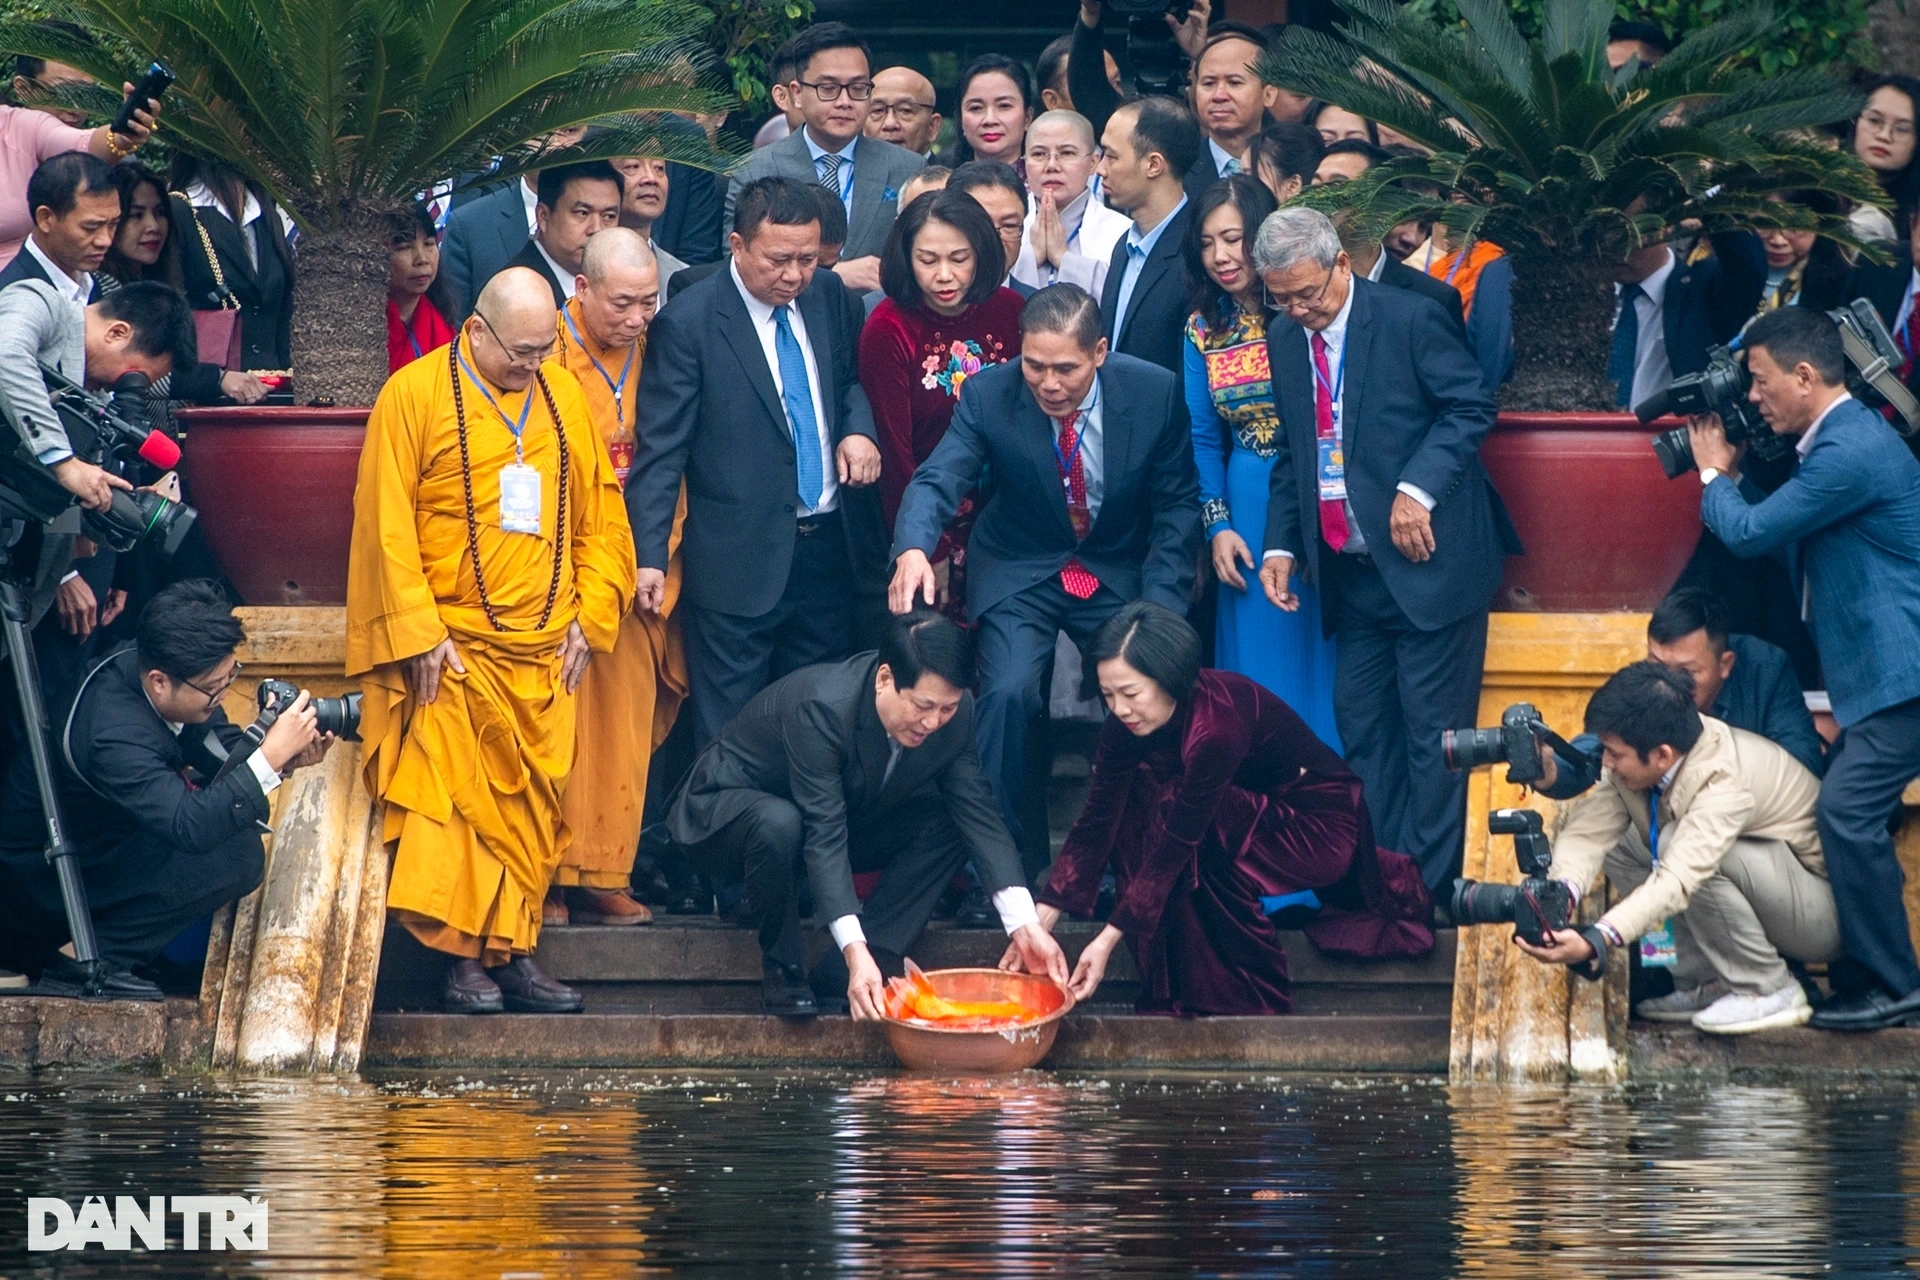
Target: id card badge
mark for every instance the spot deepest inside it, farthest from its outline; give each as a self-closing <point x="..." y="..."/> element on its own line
<point x="1656" y="946"/>
<point x="1333" y="470"/>
<point x="519" y="498"/>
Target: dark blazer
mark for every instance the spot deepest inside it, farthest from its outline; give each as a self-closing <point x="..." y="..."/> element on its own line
<point x="708" y="412"/>
<point x="27" y="267"/>
<point x="880" y="169"/>
<point x="1399" y="275"/>
<point x="1848" y="520"/>
<point x="1416" y="410"/>
<point x="482" y="237"/>
<point x="532" y="259"/>
<point x="1156" y="321"/>
<point x="814" y="738"/>
<point x="1145" y="538"/>
<point x="264" y="292"/>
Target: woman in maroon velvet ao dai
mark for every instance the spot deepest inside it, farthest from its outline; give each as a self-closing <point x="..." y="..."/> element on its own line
<point x="1209" y="794"/>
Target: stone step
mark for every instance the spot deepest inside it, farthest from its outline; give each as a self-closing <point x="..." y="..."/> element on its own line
<point x="1095" y="1042"/>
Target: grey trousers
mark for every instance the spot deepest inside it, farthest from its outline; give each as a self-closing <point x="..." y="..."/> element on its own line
<point x="1760" y="906"/>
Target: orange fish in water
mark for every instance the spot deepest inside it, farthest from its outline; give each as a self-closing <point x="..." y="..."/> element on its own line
<point x="914" y="998"/>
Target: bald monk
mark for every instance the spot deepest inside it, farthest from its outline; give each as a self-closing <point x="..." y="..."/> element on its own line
<point x="484" y="572"/>
<point x="630" y="697"/>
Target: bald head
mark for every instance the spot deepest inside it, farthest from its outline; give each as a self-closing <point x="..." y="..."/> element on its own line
<point x="618" y="287"/>
<point x="511" y="329"/>
<point x="901" y="111"/>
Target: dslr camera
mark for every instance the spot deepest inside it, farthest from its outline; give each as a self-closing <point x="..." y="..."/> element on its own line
<point x="108" y="434"/>
<point x="337" y="716"/>
<point x="1535" y="906"/>
<point x="1517" y="743"/>
<point x="1871" y="375"/>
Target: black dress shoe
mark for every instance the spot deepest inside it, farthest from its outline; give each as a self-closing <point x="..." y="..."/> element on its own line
<point x="1868" y="1010"/>
<point x="527" y="988"/>
<point x="470" y="990"/>
<point x="67" y="978"/>
<point x="976" y="911"/>
<point x="784" y="992"/>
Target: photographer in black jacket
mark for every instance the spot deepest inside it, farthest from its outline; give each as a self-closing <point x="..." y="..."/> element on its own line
<point x="164" y="837"/>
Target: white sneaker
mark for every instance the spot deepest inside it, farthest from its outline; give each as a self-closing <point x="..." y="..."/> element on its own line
<point x="1736" y="1014"/>
<point x="1681" y="1004"/>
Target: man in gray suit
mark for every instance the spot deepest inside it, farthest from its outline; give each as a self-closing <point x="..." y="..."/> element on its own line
<point x="833" y="88"/>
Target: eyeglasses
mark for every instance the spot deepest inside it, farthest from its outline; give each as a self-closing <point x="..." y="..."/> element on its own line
<point x="830" y="90"/>
<point x="517" y="356"/>
<point x="1300" y="301"/>
<point x="1892" y="128"/>
<point x="214" y="695"/>
<point x="906" y="112"/>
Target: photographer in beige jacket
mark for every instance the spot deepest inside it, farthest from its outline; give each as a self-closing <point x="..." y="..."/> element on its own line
<point x="1729" y="819"/>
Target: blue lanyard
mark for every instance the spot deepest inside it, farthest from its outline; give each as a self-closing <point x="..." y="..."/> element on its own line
<point x="1339" y="380"/>
<point x="619" y="388"/>
<point x="525" y="408"/>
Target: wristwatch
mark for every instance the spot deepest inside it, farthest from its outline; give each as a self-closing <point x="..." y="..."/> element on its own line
<point x="1708" y="475"/>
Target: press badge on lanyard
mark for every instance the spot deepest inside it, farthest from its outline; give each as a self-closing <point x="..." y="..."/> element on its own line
<point x="1333" y="453"/>
<point x="1656" y="944"/>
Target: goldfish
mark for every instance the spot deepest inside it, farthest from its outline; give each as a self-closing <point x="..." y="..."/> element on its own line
<point x="913" y="998"/>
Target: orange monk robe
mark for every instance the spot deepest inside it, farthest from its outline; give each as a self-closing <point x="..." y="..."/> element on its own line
<point x="630" y="697"/>
<point x="472" y="780"/>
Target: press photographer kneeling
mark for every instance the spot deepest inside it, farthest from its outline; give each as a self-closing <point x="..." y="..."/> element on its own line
<point x="1726" y="834"/>
<point x="165" y="814"/>
<point x="1848" y="522"/>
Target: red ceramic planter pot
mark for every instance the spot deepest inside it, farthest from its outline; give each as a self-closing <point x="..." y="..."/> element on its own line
<point x="1603" y="526"/>
<point x="274" y="487"/>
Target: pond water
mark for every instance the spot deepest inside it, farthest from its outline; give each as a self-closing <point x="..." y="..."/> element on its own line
<point x="832" y="1174"/>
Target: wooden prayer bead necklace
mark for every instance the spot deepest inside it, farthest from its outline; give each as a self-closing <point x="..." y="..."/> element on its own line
<point x="466" y="486"/>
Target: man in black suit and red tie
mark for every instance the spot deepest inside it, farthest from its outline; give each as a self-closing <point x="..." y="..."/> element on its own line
<point x="1378" y="493"/>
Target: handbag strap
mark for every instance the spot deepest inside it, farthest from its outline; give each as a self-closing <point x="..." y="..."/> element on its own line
<point x="225" y="295"/>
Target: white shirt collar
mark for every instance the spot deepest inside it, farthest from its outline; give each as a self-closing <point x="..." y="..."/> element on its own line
<point x="560" y="273"/>
<point x="815" y="150"/>
<point x="1220" y="156"/>
<point x="72" y="290"/>
<point x="1806" y="440"/>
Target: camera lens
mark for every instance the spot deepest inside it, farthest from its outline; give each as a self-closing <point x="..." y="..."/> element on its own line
<point x="1675" y="452"/>
<point x="1470" y="748"/>
<point x="1475" y="902"/>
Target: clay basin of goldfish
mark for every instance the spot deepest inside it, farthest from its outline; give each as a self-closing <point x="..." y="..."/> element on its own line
<point x="976" y="1021"/>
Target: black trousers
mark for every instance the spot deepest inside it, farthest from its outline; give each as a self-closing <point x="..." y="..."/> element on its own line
<point x="1395" y="689"/>
<point x="730" y="658"/>
<point x="917" y="855"/>
<point x="140" y="896"/>
<point x="1868" y="768"/>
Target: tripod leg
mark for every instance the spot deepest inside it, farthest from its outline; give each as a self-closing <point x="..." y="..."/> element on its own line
<point x="60" y="851"/>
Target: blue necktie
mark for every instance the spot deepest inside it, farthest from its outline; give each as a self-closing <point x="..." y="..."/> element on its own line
<point x="1626" y="343"/>
<point x="797" y="392"/>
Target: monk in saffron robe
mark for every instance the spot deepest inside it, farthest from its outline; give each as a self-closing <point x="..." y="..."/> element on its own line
<point x="629" y="698"/>
<point x="491" y="555"/>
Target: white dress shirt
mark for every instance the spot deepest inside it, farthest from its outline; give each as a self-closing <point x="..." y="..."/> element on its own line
<point x="74" y="290"/>
<point x="1652" y="371"/>
<point x="560" y="273"/>
<point x="762" y="315"/>
<point x="1336" y="336"/>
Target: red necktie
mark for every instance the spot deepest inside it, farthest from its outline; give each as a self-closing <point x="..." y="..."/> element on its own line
<point x="1077" y="581"/>
<point x="1333" y="512"/>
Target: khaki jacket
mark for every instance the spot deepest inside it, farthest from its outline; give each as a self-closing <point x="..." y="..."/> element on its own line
<point x="1733" y="784"/>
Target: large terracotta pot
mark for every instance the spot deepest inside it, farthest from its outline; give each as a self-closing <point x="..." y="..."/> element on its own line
<point x="275" y="491"/>
<point x="1603" y="526"/>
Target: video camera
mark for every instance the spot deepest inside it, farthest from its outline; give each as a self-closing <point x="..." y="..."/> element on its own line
<point x="1159" y="63"/>
<point x="1516" y="742"/>
<point x="1722" y="386"/>
<point x="107" y="434"/>
<point x="1535" y="906"/>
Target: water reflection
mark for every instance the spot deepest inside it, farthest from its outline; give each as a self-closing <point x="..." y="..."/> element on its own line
<point x="825" y="1174"/>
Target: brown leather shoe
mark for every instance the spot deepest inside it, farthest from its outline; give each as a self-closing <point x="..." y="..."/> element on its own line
<point x="553" y="911"/>
<point x="606" y="906"/>
<point x="470" y="990"/>
<point x="527" y="988"/>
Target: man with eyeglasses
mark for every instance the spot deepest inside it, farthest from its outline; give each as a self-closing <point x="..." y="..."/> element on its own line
<point x="491" y="557"/>
<point x="903" y="111"/>
<point x="1070" y="233"/>
<point x="1379" y="496"/>
<point x="834" y="90"/>
<point x="166" y="832"/>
